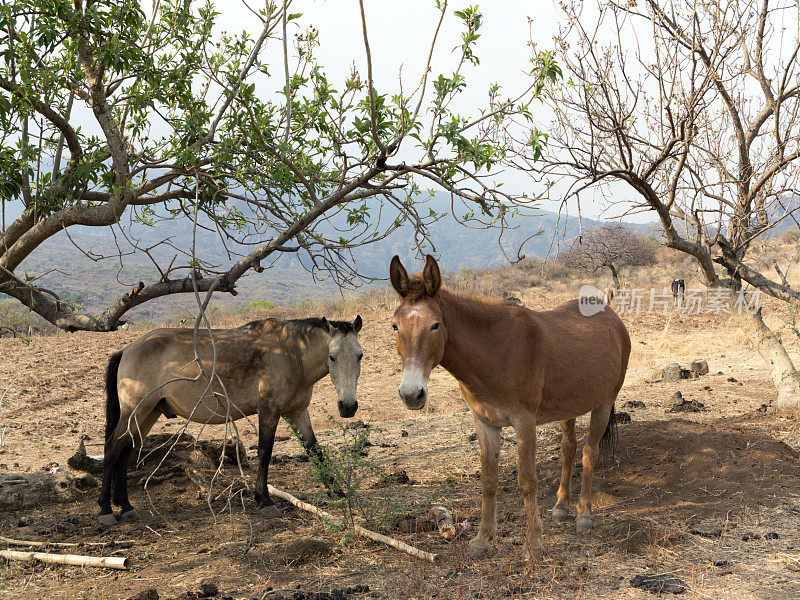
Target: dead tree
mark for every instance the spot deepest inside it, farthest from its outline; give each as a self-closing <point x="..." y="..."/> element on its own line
<point x="613" y="247"/>
<point x="701" y="120"/>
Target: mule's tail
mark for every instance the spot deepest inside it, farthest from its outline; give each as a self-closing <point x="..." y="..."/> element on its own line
<point x="112" y="398"/>
<point x="609" y="440"/>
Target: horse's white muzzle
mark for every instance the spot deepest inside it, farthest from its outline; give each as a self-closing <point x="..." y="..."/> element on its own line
<point x="413" y="390"/>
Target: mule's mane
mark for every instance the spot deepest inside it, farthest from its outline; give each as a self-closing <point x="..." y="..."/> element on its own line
<point x="417" y="293"/>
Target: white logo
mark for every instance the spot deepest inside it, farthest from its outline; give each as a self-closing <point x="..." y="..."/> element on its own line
<point x="590" y="300"/>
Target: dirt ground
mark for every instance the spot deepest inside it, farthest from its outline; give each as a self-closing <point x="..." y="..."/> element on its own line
<point x="682" y="493"/>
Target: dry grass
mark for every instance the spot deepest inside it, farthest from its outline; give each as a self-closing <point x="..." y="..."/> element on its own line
<point x="731" y="467"/>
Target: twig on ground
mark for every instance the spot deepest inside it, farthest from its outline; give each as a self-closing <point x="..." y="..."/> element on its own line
<point x="362" y="531"/>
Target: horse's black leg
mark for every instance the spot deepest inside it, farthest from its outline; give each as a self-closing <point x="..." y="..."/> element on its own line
<point x="268" y="417"/>
<point x="121" y="489"/>
<point x="110" y="459"/>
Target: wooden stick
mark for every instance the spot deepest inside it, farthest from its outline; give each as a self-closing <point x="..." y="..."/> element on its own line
<point x="362" y="531"/>
<point x="34" y="544"/>
<point x="108" y="562"/>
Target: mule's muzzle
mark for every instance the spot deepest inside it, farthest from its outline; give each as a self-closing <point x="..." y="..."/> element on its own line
<point x="347" y="408"/>
<point x="415" y="398"/>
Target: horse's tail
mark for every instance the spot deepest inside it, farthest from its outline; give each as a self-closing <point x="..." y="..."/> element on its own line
<point x="112" y="397"/>
<point x="609" y="440"/>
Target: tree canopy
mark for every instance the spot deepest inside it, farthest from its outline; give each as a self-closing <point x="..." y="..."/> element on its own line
<point x="106" y="112"/>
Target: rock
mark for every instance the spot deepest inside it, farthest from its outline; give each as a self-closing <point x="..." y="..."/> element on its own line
<point x="699" y="367"/>
<point x="681" y="404"/>
<point x="21" y="490"/>
<point x="148" y="594"/>
<point x="208" y="589"/>
<point x="359" y="424"/>
<point x="732" y="379"/>
<point x="750" y="536"/>
<point x="622" y="417"/>
<point x="659" y="584"/>
<point x="672" y="372"/>
<point x="81" y="462"/>
<point x="635" y="404"/>
<point x="472" y="437"/>
<point x="706" y="530"/>
<point x="403" y="433"/>
<point x="772" y="535"/>
<point x="200" y="460"/>
<point x="397" y="478"/>
<point x="214" y="450"/>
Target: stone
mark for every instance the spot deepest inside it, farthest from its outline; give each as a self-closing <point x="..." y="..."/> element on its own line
<point x="699" y="367"/>
<point x="672" y="372"/>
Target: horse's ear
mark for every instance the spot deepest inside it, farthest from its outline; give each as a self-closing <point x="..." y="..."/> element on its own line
<point x="325" y="324"/>
<point x="398" y="276"/>
<point x="431" y="276"/>
<point x="357" y="324"/>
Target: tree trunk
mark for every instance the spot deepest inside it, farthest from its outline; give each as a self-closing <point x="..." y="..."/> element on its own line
<point x="784" y="374"/>
<point x="615" y="276"/>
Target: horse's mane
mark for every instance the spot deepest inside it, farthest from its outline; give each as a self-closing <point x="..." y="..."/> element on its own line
<point x="264" y="325"/>
<point x="344" y="327"/>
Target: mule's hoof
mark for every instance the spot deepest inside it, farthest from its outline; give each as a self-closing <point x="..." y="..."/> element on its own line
<point x="478" y="548"/>
<point x="583" y="524"/>
<point x="130" y="515"/>
<point x="560" y="513"/>
<point x="271" y="511"/>
<point x="108" y="519"/>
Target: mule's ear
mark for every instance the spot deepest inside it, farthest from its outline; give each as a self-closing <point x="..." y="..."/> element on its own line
<point x="431" y="276"/>
<point x="398" y="276"/>
<point x="325" y="324"/>
<point x="357" y="324"/>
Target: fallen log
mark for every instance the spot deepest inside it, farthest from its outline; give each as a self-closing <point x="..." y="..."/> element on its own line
<point x="362" y="531"/>
<point x="107" y="562"/>
<point x="37" y="544"/>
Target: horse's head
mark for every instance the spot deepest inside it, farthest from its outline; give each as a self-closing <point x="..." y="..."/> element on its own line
<point x="419" y="332"/>
<point x="344" y="363"/>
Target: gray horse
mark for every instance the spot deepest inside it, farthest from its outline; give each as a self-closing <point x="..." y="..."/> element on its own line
<point x="267" y="367"/>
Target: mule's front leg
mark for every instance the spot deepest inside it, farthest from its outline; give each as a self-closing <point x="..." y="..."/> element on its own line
<point x="268" y="416"/>
<point x="525" y="426"/>
<point x="489" y="440"/>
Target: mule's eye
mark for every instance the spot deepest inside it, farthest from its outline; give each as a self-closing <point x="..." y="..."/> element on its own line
<point x="332" y="357"/>
<point x="394" y="326"/>
<point x="435" y="326"/>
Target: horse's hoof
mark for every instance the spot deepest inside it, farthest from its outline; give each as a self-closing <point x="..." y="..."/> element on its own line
<point x="560" y="513"/>
<point x="271" y="511"/>
<point x="108" y="519"/>
<point x="130" y="515"/>
<point x="478" y="548"/>
<point x="583" y="524"/>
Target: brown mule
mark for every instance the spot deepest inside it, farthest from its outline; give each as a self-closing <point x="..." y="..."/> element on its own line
<point x="517" y="368"/>
<point x="267" y="368"/>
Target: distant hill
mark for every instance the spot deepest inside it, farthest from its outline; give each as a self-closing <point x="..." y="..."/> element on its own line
<point x="95" y="283"/>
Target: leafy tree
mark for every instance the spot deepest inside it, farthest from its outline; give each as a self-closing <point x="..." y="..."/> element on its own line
<point x="106" y="112"/>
